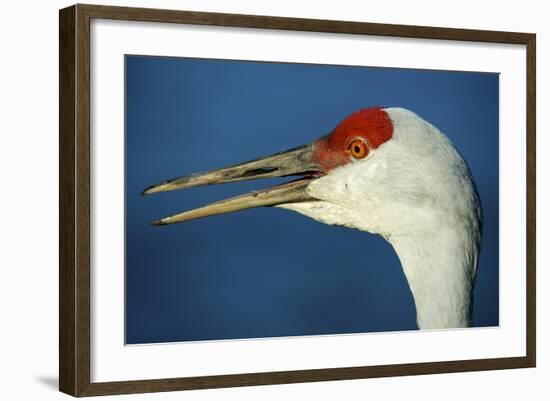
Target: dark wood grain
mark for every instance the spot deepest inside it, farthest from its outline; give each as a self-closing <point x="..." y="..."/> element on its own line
<point x="74" y="199"/>
<point x="67" y="131"/>
<point x="74" y="212"/>
<point x="302" y="376"/>
<point x="82" y="212"/>
<point x="531" y="228"/>
<point x="301" y="24"/>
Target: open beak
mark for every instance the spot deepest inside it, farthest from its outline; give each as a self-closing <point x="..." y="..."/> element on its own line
<point x="298" y="161"/>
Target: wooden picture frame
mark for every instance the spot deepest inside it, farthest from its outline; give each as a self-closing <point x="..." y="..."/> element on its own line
<point x="74" y="200"/>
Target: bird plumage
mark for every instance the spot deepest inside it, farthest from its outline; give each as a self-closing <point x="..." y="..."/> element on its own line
<point x="417" y="192"/>
<point x="387" y="172"/>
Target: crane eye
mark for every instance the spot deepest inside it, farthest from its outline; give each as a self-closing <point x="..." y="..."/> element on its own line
<point x="358" y="149"/>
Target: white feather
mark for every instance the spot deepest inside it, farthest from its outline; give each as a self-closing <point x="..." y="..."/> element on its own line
<point x="417" y="192"/>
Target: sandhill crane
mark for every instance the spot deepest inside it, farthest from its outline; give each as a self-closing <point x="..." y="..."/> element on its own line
<point x="385" y="171"/>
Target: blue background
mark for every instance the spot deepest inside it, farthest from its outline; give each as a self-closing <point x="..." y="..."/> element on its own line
<point x="270" y="272"/>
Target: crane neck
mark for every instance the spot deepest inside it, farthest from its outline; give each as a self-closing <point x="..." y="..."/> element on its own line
<point x="440" y="268"/>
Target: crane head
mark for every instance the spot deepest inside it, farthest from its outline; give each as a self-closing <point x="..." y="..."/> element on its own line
<point x="353" y="139"/>
<point x="380" y="170"/>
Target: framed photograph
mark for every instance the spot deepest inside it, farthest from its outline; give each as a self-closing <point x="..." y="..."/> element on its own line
<point x="250" y="200"/>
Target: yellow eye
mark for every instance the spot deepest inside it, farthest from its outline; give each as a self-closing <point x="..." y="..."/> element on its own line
<point x="358" y="149"/>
